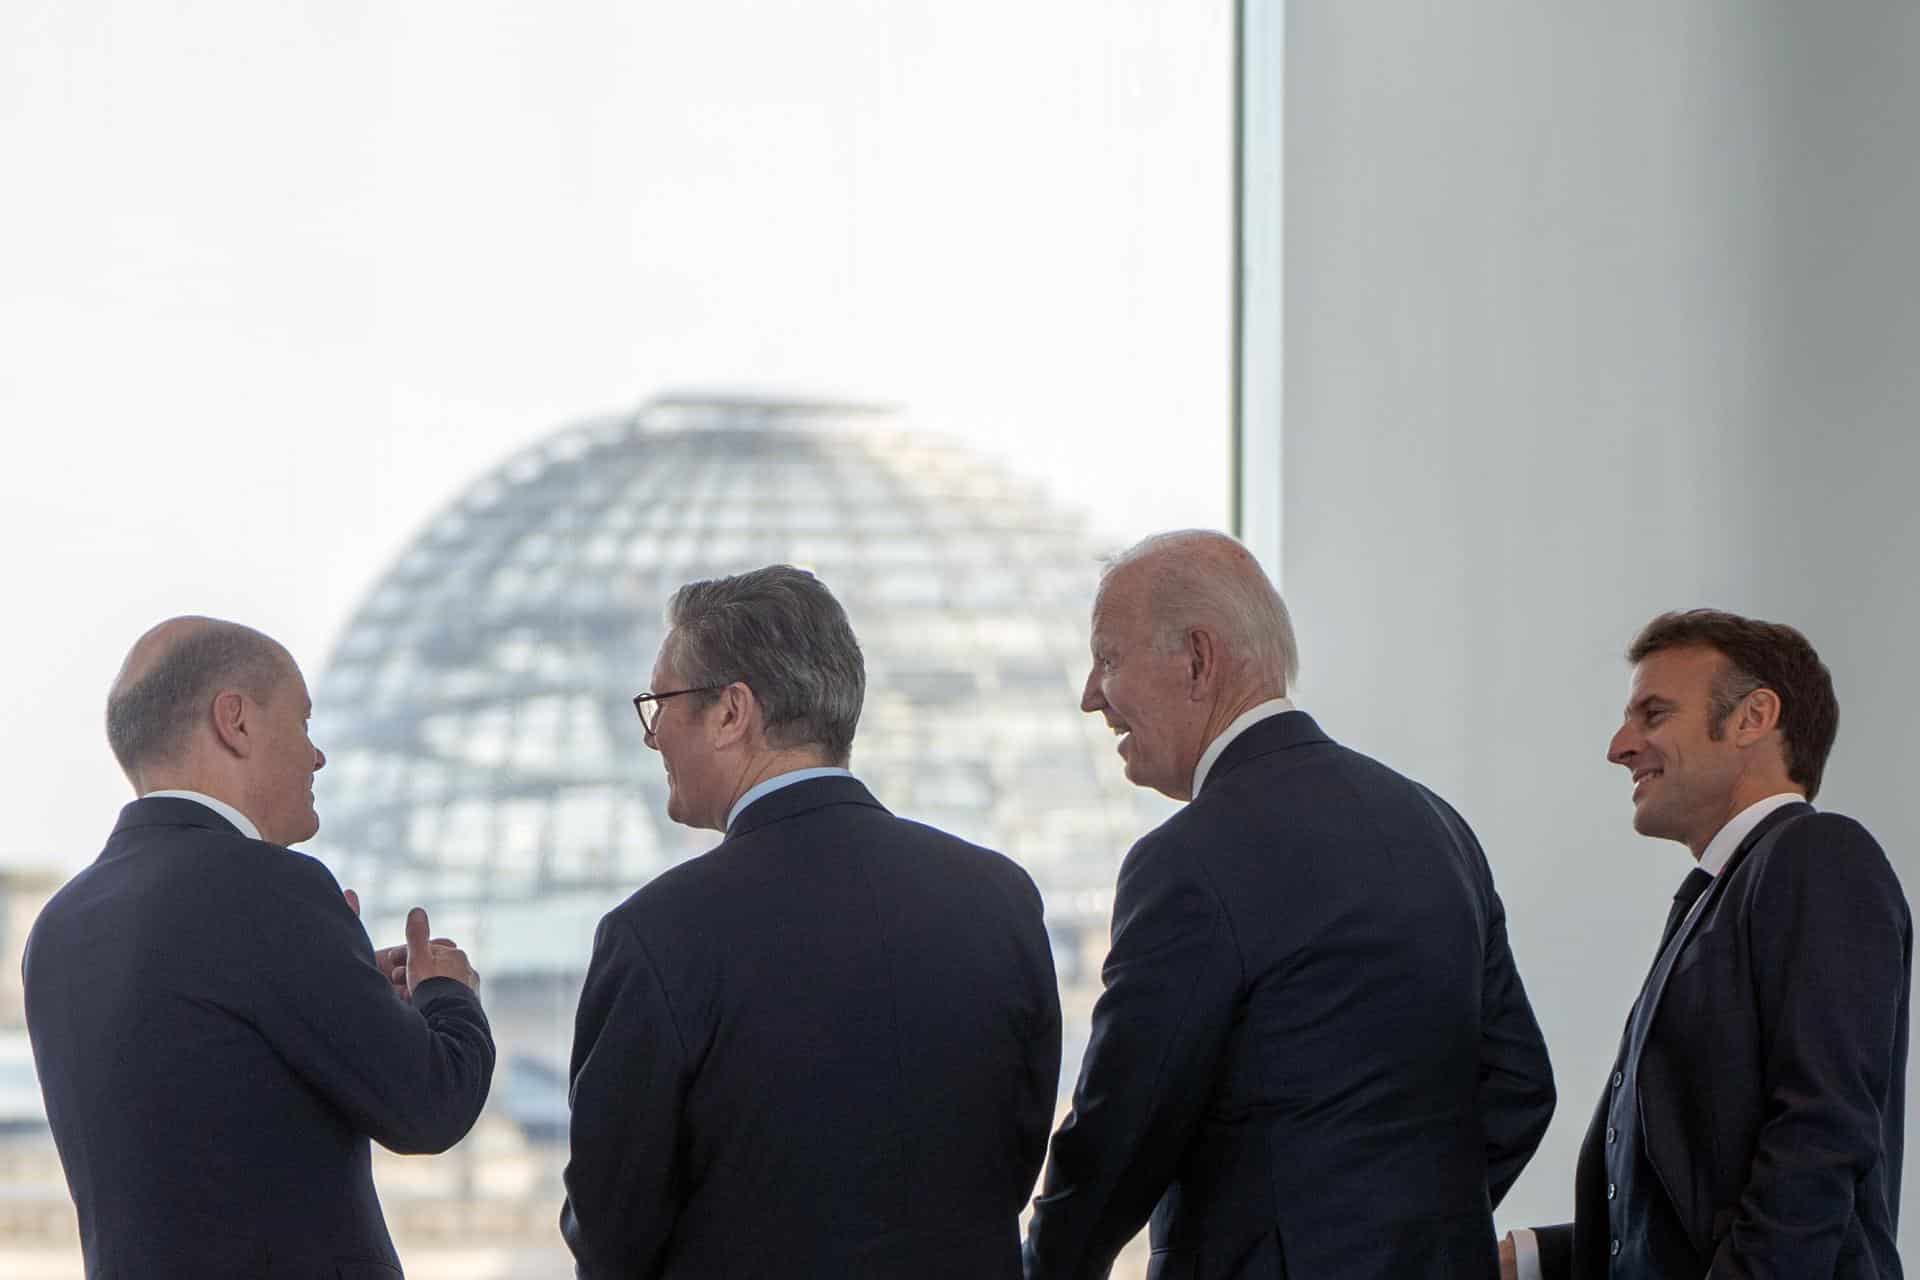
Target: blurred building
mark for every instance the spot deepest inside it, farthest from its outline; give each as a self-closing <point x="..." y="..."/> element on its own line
<point x="485" y="759"/>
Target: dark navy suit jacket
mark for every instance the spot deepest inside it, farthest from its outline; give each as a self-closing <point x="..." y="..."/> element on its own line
<point x="217" y="1047"/>
<point x="1772" y="1080"/>
<point x="828" y="1047"/>
<point x="1313" y="1057"/>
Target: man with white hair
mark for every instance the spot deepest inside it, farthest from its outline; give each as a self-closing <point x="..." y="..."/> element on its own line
<point x="1313" y="1055"/>
<point x="217" y="1039"/>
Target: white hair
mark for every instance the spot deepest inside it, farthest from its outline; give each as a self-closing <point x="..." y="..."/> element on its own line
<point x="1200" y="577"/>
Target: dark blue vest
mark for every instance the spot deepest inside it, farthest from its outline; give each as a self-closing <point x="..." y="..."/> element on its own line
<point x="1641" y="1223"/>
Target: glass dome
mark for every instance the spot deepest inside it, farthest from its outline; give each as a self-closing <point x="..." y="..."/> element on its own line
<point x="484" y="756"/>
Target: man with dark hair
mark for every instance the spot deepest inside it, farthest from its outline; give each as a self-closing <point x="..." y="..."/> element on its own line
<point x="1753" y="1120"/>
<point x="215" y="1036"/>
<point x="1313" y="1055"/>
<point x="830" y="1045"/>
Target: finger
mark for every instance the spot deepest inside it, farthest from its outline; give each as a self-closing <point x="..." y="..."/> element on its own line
<point x="443" y="942"/>
<point x="353" y="901"/>
<point x="418" y="949"/>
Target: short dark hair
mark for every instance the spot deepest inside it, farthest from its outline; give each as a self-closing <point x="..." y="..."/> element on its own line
<point x="779" y="631"/>
<point x="148" y="719"/>
<point x="1759" y="655"/>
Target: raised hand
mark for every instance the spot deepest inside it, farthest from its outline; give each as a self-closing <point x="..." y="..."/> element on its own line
<point x="392" y="961"/>
<point x="432" y="958"/>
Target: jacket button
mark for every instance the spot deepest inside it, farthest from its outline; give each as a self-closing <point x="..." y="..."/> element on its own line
<point x="1610" y="1133"/>
<point x="1616" y="1248"/>
<point x="1617" y="1078"/>
<point x="1611" y="1190"/>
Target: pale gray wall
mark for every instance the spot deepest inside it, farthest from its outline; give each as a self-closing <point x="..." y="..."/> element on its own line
<point x="1594" y="310"/>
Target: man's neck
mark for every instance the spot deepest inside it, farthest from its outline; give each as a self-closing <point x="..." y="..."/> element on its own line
<point x="1232" y="708"/>
<point x="1747" y="793"/>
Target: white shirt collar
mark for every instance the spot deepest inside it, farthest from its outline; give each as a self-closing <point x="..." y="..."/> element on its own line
<point x="768" y="786"/>
<point x="221" y="807"/>
<point x="1245" y="721"/>
<point x="1739" y="827"/>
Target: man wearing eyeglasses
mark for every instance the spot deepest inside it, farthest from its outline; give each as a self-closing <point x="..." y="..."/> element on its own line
<point x="830" y="1045"/>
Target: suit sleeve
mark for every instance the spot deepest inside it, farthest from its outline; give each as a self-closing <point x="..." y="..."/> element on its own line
<point x="1515" y="1094"/>
<point x="630" y="1074"/>
<point x="413" y="1077"/>
<point x="1831" y="943"/>
<point x="1043" y="1050"/>
<point x="1172" y="981"/>
<point x="1555" y="1248"/>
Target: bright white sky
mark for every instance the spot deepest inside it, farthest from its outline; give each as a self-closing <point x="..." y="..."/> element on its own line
<point x="281" y="279"/>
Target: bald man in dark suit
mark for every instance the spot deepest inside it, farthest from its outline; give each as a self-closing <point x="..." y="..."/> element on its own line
<point x="217" y="1040"/>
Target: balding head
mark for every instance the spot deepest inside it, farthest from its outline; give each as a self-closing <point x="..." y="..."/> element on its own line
<point x="166" y="687"/>
<point x="1199" y="578"/>
<point x="1188" y="635"/>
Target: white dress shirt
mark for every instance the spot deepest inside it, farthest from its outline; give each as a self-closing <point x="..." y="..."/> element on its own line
<point x="221" y="807"/>
<point x="1713" y="860"/>
<point x="1243" y="722"/>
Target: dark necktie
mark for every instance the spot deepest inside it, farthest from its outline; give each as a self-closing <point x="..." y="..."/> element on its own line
<point x="1683" y="899"/>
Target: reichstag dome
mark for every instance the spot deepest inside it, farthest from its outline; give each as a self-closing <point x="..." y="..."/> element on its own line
<point x="484" y="758"/>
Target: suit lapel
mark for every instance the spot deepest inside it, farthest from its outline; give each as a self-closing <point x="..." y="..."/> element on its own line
<point x="1710" y="898"/>
<point x="1672" y="1160"/>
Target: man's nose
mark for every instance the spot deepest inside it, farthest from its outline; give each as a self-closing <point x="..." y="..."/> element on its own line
<point x="1090" y="699"/>
<point x="1624" y="746"/>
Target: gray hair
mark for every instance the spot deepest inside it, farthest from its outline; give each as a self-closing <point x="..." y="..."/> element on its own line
<point x="1199" y="577"/>
<point x="157" y="699"/>
<point x="779" y="631"/>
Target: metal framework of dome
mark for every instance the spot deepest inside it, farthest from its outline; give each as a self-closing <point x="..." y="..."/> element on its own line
<point x="484" y="753"/>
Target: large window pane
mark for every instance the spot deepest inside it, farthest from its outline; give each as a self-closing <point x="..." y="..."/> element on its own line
<point x="443" y="341"/>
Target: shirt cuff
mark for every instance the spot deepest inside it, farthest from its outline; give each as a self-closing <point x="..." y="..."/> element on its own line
<point x="1526" y="1255"/>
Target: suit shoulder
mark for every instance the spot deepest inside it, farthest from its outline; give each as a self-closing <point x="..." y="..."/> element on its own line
<point x="1828" y="855"/>
<point x="1826" y="837"/>
<point x="273" y="867"/>
<point x="958" y="847"/>
<point x="666" y="894"/>
<point x="1174" y="850"/>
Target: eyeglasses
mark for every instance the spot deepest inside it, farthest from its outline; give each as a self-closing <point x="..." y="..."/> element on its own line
<point x="650" y="720"/>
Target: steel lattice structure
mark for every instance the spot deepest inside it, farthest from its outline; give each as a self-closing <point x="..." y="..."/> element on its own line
<point x="483" y="751"/>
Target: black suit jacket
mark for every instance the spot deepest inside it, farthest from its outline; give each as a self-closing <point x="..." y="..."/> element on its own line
<point x="1773" y="1079"/>
<point x="828" y="1047"/>
<point x="217" y="1047"/>
<point x="1313" y="1057"/>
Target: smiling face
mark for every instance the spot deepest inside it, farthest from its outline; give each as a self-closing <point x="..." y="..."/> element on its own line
<point x="1143" y="695"/>
<point x="1685" y="780"/>
<point x="281" y="784"/>
<point x="694" y="789"/>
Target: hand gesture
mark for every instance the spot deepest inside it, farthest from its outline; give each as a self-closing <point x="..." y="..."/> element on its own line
<point x="435" y="958"/>
<point x="392" y="961"/>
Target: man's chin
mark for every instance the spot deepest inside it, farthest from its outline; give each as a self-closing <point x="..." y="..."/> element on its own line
<point x="1649" y="822"/>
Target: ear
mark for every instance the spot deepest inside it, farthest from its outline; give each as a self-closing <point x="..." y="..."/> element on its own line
<point x="1757" y="716"/>
<point x="738" y="712"/>
<point x="233" y="722"/>
<point x="1203" y="662"/>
